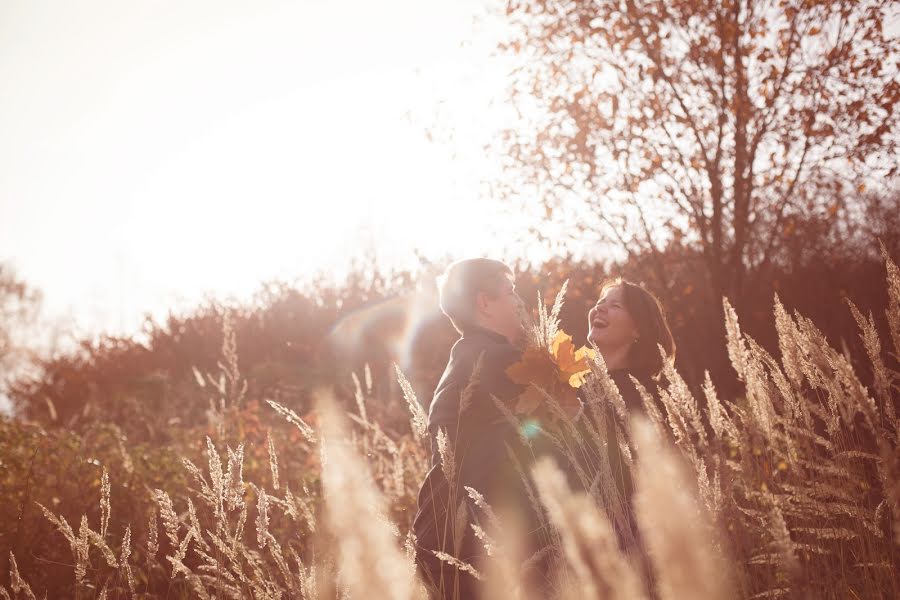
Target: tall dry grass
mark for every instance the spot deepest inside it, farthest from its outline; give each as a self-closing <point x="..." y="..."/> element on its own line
<point x="791" y="491"/>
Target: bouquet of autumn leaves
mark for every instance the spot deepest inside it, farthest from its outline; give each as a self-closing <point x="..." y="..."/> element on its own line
<point x="551" y="366"/>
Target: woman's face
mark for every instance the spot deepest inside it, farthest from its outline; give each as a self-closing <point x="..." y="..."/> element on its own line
<point x="611" y="325"/>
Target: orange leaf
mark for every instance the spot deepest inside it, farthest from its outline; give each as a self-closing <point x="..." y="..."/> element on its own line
<point x="559" y="372"/>
<point x="534" y="366"/>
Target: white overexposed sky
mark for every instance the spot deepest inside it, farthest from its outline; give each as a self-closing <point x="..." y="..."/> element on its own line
<point x="153" y="151"/>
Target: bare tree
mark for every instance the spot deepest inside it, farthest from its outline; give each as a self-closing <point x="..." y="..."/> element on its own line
<point x="705" y="123"/>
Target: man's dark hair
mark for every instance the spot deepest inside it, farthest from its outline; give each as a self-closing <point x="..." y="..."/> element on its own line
<point x="462" y="282"/>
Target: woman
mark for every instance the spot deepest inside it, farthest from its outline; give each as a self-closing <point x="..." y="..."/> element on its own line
<point x="627" y="326"/>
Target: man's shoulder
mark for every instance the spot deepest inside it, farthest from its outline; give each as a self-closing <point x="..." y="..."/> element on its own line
<point x="485" y="360"/>
<point x="481" y="361"/>
<point x="490" y="350"/>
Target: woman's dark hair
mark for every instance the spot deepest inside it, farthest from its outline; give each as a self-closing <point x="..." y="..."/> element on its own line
<point x="461" y="283"/>
<point x="644" y="358"/>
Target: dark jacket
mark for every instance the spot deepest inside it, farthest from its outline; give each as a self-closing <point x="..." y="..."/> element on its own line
<point x="633" y="402"/>
<point x="478" y="435"/>
<point x="628" y="534"/>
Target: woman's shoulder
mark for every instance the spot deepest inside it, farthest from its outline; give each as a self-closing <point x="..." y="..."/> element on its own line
<point x="624" y="377"/>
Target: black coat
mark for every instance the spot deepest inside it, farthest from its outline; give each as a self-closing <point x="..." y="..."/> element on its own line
<point x="633" y="402"/>
<point x="479" y="436"/>
<point x="628" y="534"/>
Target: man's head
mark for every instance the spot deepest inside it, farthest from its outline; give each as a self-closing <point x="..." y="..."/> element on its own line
<point x="480" y="292"/>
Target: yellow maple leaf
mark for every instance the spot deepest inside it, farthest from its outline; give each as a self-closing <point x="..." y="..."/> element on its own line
<point x="573" y="364"/>
<point x="583" y="358"/>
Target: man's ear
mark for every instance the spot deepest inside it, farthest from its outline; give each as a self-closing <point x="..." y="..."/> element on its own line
<point x="481" y="302"/>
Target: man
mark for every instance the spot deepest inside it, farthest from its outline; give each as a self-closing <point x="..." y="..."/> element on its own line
<point x="479" y="297"/>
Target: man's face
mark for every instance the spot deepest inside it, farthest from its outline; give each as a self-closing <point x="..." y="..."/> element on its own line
<point x="501" y="310"/>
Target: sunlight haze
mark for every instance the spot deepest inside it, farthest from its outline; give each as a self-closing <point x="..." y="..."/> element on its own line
<point x="157" y="151"/>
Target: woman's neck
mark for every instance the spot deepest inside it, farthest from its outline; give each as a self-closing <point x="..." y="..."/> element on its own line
<point x="616" y="359"/>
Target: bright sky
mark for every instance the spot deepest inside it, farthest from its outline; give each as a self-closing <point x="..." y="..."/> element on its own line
<point x="157" y="150"/>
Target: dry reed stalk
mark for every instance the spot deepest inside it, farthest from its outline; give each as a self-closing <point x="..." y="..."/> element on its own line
<point x="589" y="542"/>
<point x="677" y="532"/>
<point x="370" y="563"/>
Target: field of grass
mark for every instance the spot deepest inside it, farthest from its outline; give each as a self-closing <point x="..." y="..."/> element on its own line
<point x="790" y="491"/>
